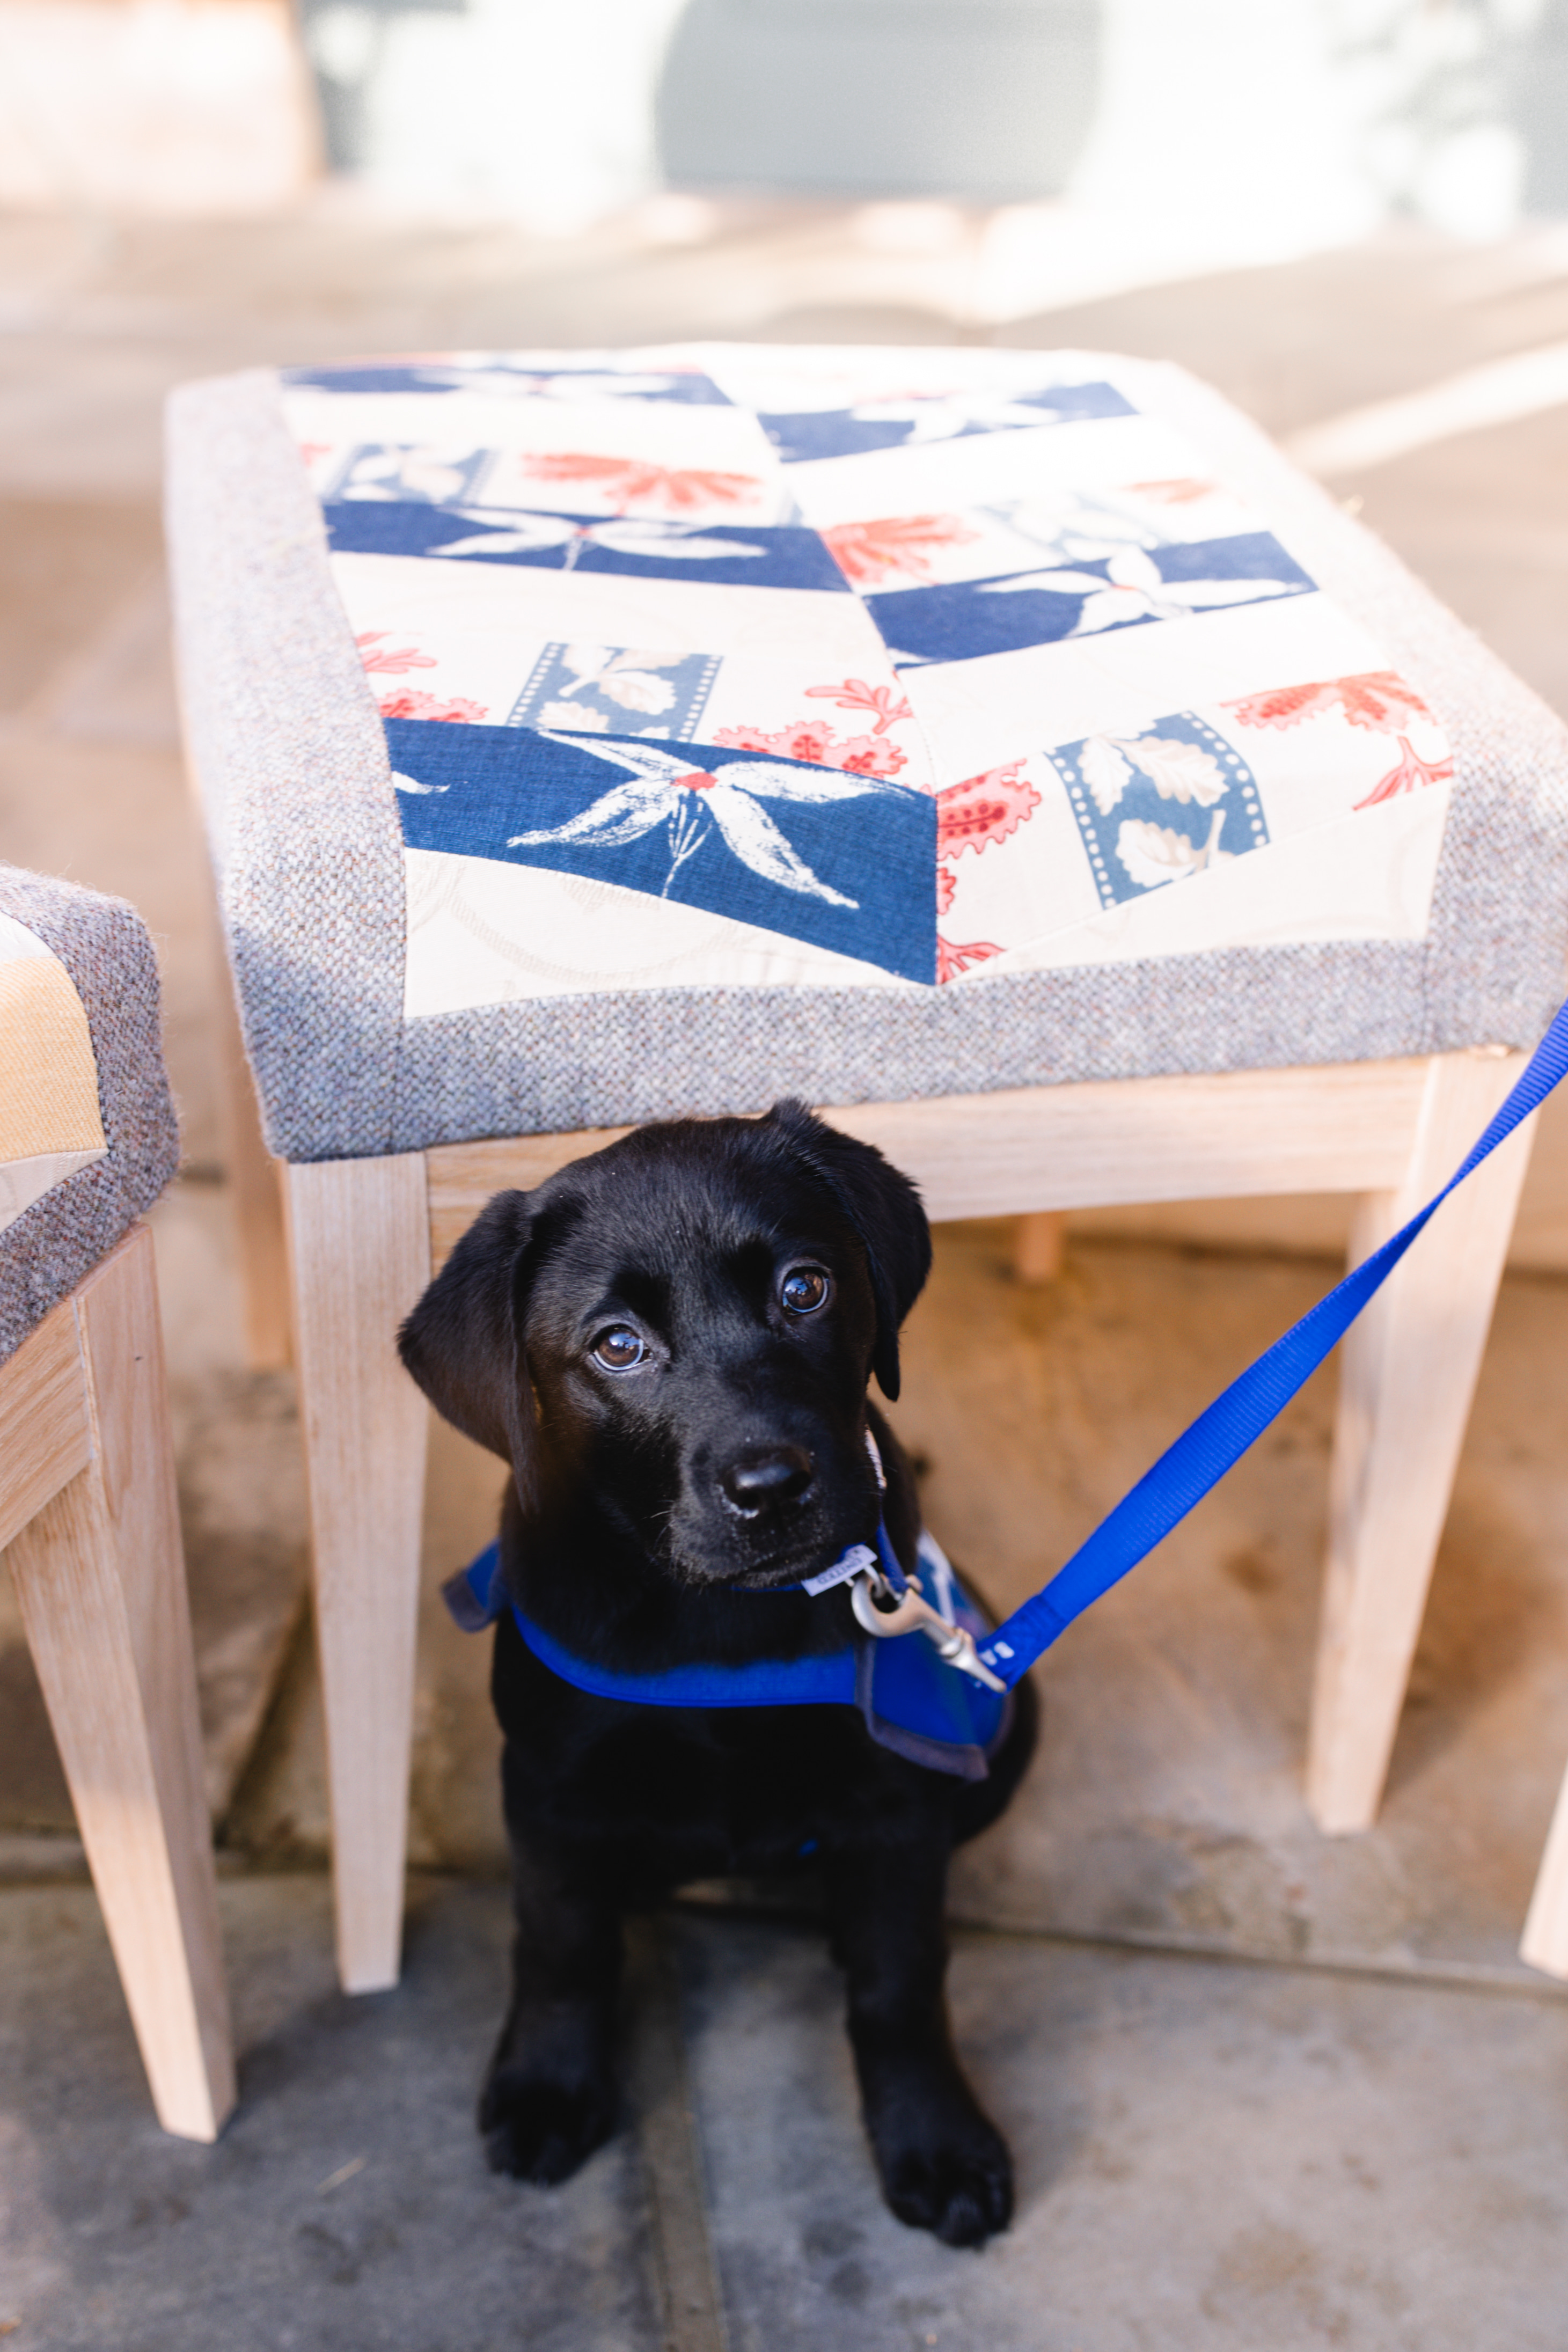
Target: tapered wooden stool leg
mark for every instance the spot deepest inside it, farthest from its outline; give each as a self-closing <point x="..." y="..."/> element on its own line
<point x="1408" y="1375"/>
<point x="360" y="1251"/>
<point x="1037" y="1244"/>
<point x="101" y="1578"/>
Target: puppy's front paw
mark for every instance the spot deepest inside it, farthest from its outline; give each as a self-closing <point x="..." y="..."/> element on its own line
<point x="962" y="2193"/>
<point x="945" y="2167"/>
<point x="539" y="2130"/>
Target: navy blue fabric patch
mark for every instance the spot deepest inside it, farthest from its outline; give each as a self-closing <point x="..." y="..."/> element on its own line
<point x="724" y="553"/>
<point x="504" y="377"/>
<point x="961" y="620"/>
<point x="841" y="862"/>
<point x="855" y="431"/>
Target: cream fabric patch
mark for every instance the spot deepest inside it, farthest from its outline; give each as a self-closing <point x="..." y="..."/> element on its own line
<point x="50" y="1124"/>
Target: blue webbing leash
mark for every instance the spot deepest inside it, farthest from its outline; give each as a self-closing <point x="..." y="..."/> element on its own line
<point x="1221" y="1434"/>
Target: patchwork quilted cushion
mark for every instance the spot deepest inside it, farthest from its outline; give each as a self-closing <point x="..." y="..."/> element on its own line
<point x="87" y="1137"/>
<point x="869" y="722"/>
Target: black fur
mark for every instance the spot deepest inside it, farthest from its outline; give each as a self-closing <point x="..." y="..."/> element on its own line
<point x="657" y="1515"/>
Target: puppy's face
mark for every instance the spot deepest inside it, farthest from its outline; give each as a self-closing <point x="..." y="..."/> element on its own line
<point x="699" y="1347"/>
<point x="694" y="1317"/>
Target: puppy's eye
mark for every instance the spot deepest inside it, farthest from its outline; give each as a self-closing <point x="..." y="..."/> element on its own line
<point x="803" y="1289"/>
<point x="619" y="1349"/>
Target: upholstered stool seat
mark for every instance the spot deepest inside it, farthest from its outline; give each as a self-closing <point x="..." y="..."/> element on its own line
<point x="87" y="1513"/>
<point x="1010" y="751"/>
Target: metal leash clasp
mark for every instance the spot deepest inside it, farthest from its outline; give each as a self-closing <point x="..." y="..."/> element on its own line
<point x="911" y="1612"/>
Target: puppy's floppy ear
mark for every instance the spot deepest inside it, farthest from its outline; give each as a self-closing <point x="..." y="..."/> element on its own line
<point x="463" y="1343"/>
<point x="885" y="1210"/>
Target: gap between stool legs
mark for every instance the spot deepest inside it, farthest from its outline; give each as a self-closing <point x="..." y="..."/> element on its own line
<point x="1407" y="1374"/>
<point x="101" y="1579"/>
<point x="256" y="1182"/>
<point x="358" y="1238"/>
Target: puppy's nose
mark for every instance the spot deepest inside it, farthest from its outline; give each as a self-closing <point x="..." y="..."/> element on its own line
<point x="766" y="1476"/>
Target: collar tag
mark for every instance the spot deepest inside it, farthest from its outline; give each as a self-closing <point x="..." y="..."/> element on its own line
<point x="856" y="1560"/>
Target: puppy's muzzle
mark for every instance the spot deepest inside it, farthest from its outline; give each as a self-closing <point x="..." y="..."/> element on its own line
<point x="767" y="1478"/>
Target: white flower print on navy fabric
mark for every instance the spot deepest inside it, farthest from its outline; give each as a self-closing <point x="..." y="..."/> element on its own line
<point x="695" y="803"/>
<point x="1134" y="589"/>
<point x="532" y="534"/>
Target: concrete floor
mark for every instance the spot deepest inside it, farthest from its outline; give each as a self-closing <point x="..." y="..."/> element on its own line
<point x="1265" y="2088"/>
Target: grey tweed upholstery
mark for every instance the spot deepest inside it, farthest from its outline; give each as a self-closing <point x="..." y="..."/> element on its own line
<point x="61" y="1236"/>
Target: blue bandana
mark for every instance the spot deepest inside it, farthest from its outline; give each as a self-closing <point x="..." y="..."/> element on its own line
<point x="912" y="1700"/>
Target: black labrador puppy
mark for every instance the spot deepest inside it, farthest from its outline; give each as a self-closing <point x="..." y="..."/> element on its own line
<point x="670" y="1342"/>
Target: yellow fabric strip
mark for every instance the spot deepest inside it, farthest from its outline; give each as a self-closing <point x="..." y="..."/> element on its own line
<point x="48" y="1079"/>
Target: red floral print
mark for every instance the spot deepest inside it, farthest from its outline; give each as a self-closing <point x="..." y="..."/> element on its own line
<point x="982" y="809"/>
<point x="897" y="548"/>
<point x="1379" y="699"/>
<point x="854" y="694"/>
<point x="626" y="482"/>
<point x="946" y="886"/>
<point x="814" y="740"/>
<point x="863" y="755"/>
<point x="951" y="959"/>
<point x="1180" y="492"/>
<point x="1408" y="777"/>
<point x="377" y="656"/>
<point x="410" y="704"/>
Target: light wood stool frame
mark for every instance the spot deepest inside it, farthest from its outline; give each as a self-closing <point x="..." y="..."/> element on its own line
<point x="365" y="1236"/>
<point x="90" y="1524"/>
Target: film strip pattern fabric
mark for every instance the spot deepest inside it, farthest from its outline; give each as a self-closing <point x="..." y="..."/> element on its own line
<point x="737" y="666"/>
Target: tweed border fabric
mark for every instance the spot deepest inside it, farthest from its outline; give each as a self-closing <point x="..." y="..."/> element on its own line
<point x="289" y="747"/>
<point x="286" y="740"/>
<point x="53" y="1244"/>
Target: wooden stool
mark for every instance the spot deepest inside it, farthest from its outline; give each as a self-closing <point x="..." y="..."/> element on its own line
<point x="88" y="1513"/>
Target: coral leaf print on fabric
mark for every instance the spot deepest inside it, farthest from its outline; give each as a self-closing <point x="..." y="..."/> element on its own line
<point x="898" y="547"/>
<point x="1411" y="774"/>
<point x="951" y="959"/>
<point x="854" y="694"/>
<point x="692" y="802"/>
<point x="982" y="809"/>
<point x="410" y="704"/>
<point x="387" y="660"/>
<point x="1379" y="699"/>
<point x="814" y="741"/>
<point x="626" y="482"/>
<point x="1184" y="491"/>
<point x="1154" y="854"/>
